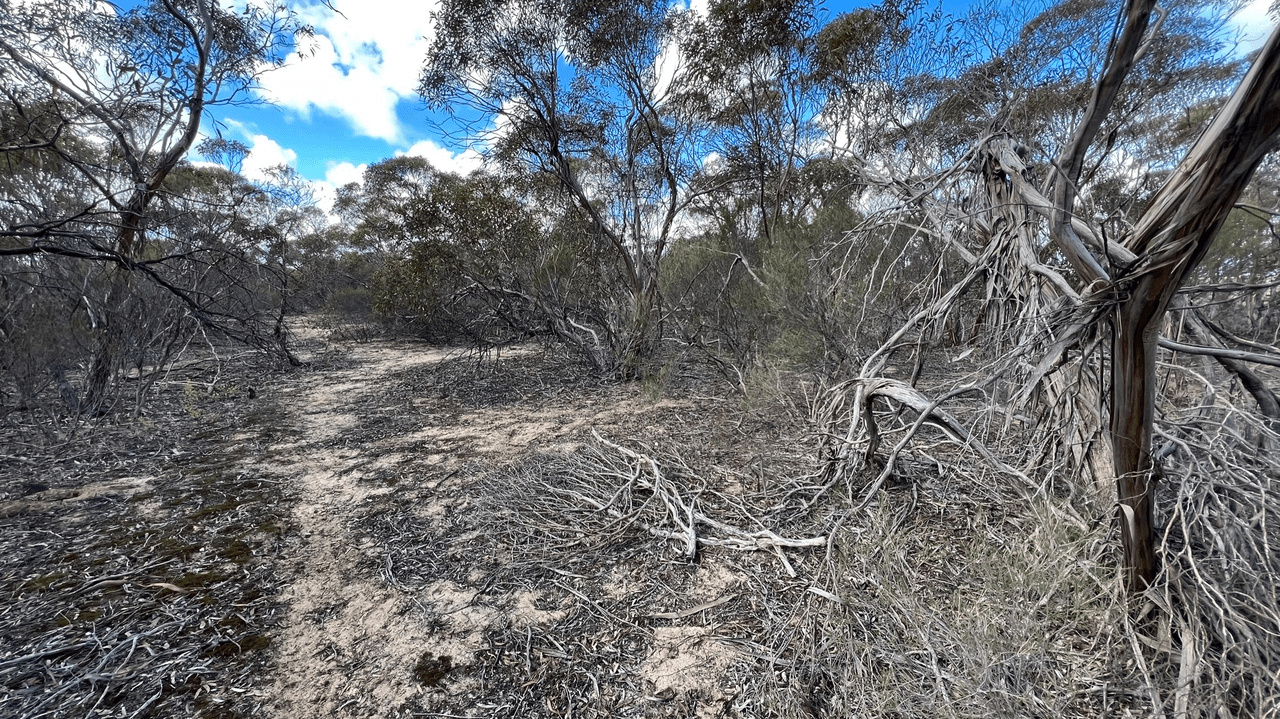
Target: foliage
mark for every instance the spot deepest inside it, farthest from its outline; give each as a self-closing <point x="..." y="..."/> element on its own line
<point x="486" y="258"/>
<point x="593" y="98"/>
<point x="99" y="217"/>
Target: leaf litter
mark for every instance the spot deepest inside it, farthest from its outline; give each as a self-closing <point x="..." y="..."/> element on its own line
<point x="409" y="531"/>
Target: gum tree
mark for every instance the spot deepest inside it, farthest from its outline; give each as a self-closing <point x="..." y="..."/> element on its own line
<point x="597" y="97"/>
<point x="100" y="104"/>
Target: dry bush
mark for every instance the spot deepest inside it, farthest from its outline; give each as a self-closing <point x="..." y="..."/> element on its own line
<point x="1214" y="642"/>
<point x="74" y="349"/>
<point x="950" y="594"/>
<point x="1001" y="611"/>
<point x="1203" y="640"/>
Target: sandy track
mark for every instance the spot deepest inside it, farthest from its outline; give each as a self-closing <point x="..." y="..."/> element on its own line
<point x="349" y="641"/>
<point x="354" y="637"/>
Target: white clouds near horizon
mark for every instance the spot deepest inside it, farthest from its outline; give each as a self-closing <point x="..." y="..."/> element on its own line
<point x="462" y="163"/>
<point x="345" y="173"/>
<point x="337" y="175"/>
<point x="266" y="153"/>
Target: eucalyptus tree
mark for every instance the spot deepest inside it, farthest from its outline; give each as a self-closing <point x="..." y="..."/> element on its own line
<point x="946" y="161"/>
<point x="758" y="66"/>
<point x="486" y="257"/>
<point x="775" y="76"/>
<point x="422" y="231"/>
<point x="100" y="105"/>
<point x="599" y="97"/>
<point x="1077" y="168"/>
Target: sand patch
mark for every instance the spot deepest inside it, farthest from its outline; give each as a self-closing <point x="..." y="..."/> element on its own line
<point x="349" y="642"/>
<point x="526" y="612"/>
<point x="505" y="433"/>
<point x="684" y="660"/>
<point x="464" y="621"/>
<point x="714" y="582"/>
<point x="121" y="488"/>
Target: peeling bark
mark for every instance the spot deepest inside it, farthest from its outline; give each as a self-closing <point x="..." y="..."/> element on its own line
<point x="1170" y="240"/>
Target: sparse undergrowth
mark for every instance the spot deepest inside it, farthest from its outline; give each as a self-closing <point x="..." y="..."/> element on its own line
<point x="524" y="532"/>
<point x="945" y="597"/>
<point x="931" y="604"/>
<point x="139" y="577"/>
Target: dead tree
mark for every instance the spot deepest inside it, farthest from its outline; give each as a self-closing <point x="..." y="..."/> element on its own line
<point x="1074" y="320"/>
<point x="1119" y="288"/>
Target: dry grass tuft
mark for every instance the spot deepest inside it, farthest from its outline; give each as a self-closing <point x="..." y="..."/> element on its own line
<point x="1211" y="634"/>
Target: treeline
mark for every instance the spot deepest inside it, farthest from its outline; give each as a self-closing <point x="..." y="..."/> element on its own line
<point x="771" y="182"/>
<point x="751" y="185"/>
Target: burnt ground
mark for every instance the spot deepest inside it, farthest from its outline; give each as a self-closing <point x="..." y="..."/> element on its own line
<point x="402" y="530"/>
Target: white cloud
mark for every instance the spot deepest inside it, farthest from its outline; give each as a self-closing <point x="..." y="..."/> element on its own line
<point x="670" y="61"/>
<point x="1253" y="25"/>
<point x="339" y="174"/>
<point x="325" y="194"/>
<point x="265" y="153"/>
<point x="366" y="57"/>
<point x="463" y="163"/>
<point x="343" y="173"/>
<point x="667" y="66"/>
<point x="336" y="175"/>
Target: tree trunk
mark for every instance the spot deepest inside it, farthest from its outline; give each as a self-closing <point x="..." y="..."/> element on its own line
<point x="1135" y="329"/>
<point x="642" y="330"/>
<point x="105" y="356"/>
<point x="1172" y="237"/>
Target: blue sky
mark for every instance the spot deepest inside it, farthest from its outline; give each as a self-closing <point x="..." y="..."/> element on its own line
<point x="351" y="102"/>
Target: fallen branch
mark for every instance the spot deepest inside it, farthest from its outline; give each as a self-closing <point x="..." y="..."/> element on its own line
<point x="862" y="427"/>
<point x="687" y="517"/>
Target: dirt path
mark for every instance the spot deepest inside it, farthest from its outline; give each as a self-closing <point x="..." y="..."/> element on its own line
<point x="346" y="642"/>
<point x="376" y="619"/>
<point x="396" y="531"/>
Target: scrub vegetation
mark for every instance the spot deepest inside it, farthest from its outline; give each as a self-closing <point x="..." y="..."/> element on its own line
<point x="778" y="362"/>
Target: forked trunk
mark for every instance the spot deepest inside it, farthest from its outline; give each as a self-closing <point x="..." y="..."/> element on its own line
<point x="1172" y="237"/>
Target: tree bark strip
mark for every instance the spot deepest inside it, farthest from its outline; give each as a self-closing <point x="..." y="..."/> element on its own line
<point x="1171" y="238"/>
